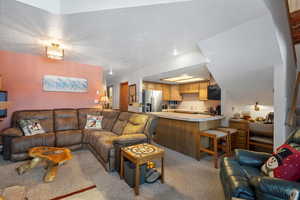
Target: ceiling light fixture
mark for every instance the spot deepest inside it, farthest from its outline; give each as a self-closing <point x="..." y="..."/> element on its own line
<point x="175" y="52"/>
<point x="55" y="51"/>
<point x="190" y="80"/>
<point x="178" y="78"/>
<point x="183" y="79"/>
<point x="110" y="72"/>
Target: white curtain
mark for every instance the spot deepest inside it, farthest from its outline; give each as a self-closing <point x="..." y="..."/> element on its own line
<point x="294" y="5"/>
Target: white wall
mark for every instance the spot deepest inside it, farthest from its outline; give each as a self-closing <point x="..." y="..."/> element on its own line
<point x="285" y="72"/>
<point x="52" y="6"/>
<point x="136" y="77"/>
<point x="242" y="59"/>
<point x="251" y="62"/>
<point x="191" y="102"/>
<point x="75" y="6"/>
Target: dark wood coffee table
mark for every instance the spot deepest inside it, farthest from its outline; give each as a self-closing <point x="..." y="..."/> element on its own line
<point x="140" y="154"/>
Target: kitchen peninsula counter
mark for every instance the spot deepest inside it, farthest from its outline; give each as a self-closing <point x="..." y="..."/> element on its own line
<point x="187" y="117"/>
<point x="180" y="131"/>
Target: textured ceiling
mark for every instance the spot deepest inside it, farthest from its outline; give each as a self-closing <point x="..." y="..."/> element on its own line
<point x="123" y="39"/>
<point x="79" y="6"/>
<point x="198" y="71"/>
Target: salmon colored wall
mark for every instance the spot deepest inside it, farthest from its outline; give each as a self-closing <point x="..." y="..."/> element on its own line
<point x="23" y="74"/>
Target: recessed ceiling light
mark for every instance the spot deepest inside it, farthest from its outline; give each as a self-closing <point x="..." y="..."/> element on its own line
<point x="110" y="72"/>
<point x="190" y="80"/>
<point x="175" y="52"/>
<point x="178" y="78"/>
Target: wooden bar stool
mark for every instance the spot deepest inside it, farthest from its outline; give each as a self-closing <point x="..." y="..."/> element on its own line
<point x="230" y="132"/>
<point x="215" y="136"/>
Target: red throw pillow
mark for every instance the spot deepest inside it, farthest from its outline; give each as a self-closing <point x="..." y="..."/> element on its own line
<point x="284" y="164"/>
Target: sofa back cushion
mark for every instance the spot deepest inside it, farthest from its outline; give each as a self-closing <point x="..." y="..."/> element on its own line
<point x="121" y="123"/>
<point x="109" y="118"/>
<point x="65" y="119"/>
<point x="82" y="115"/>
<point x="136" y="124"/>
<point x="45" y="118"/>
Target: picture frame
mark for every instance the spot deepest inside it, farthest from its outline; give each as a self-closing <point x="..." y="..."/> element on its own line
<point x="64" y="84"/>
<point x="132" y="94"/>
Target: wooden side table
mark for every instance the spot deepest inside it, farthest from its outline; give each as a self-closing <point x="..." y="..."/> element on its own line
<point x="140" y="154"/>
<point x="241" y="139"/>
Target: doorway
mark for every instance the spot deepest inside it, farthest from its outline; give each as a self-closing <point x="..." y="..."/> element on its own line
<point x="124" y="97"/>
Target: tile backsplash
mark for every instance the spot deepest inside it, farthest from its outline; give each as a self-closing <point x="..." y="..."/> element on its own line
<point x="192" y="103"/>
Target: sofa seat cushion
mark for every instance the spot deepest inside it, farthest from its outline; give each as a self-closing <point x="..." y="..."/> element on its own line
<point x="68" y="138"/>
<point x="24" y="143"/>
<point x="104" y="146"/>
<point x="121" y="123"/>
<point x="136" y="124"/>
<point x="91" y="136"/>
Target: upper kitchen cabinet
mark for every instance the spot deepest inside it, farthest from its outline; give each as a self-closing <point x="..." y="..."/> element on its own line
<point x="189" y="88"/>
<point x="175" y="93"/>
<point x="158" y="86"/>
<point x="203" y="92"/>
<point x="166" y="93"/>
<point x="149" y="86"/>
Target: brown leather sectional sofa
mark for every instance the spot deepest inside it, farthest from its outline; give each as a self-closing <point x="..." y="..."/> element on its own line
<point x="65" y="128"/>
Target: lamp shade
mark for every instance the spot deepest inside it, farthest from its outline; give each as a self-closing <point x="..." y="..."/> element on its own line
<point x="104" y="99"/>
<point x="54" y="51"/>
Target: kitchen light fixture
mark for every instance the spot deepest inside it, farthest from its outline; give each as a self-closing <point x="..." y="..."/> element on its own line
<point x="183" y="79"/>
<point x="190" y="80"/>
<point x="178" y="78"/>
<point x="55" y="51"/>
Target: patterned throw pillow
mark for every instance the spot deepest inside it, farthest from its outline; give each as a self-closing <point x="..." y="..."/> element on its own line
<point x="93" y="122"/>
<point x="31" y="127"/>
<point x="284" y="164"/>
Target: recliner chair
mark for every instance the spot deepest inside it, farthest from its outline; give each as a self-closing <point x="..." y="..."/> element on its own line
<point x="241" y="176"/>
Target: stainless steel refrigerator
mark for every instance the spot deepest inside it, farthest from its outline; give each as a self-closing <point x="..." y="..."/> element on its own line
<point x="152" y="101"/>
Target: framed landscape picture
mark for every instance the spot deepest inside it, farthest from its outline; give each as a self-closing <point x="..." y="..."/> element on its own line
<point x="64" y="84"/>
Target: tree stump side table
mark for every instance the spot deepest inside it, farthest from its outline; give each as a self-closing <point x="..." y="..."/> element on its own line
<point x="140" y="154"/>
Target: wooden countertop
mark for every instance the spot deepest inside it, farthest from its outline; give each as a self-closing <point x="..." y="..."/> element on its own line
<point x="187" y="117"/>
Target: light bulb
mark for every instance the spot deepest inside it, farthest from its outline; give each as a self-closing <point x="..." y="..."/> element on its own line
<point x="175" y="52"/>
<point x="110" y="72"/>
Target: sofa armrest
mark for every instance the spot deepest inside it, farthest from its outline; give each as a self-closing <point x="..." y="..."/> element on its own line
<point x="128" y="139"/>
<point x="13" y="132"/>
<point x="150" y="127"/>
<point x="251" y="158"/>
<point x="7" y="136"/>
<point x="274" y="186"/>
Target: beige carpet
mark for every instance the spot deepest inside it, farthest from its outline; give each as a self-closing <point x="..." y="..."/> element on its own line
<point x="185" y="179"/>
<point x="93" y="194"/>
